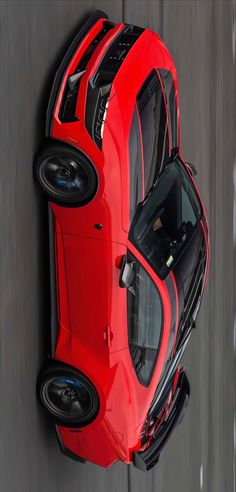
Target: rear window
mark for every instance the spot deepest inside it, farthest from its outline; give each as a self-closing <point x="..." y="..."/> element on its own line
<point x="154" y="128"/>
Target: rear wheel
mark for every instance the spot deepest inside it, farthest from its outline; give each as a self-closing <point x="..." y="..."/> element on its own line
<point x="65" y="174"/>
<point x="68" y="395"/>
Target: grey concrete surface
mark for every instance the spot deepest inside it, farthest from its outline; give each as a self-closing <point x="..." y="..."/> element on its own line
<point x="201" y="37"/>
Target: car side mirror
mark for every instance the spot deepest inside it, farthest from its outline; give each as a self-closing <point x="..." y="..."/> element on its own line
<point x="127" y="274"/>
<point x="191" y="168"/>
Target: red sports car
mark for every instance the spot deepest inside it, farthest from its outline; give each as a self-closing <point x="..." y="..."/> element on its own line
<point x="128" y="246"/>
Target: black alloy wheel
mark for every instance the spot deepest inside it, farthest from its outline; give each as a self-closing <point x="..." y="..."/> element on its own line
<point x="68" y="395"/>
<point x="65" y="174"/>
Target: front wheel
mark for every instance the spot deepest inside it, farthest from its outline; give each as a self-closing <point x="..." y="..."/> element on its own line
<point x="68" y="395"/>
<point x="65" y="174"/>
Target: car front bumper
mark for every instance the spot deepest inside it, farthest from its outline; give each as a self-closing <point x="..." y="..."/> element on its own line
<point x="82" y="33"/>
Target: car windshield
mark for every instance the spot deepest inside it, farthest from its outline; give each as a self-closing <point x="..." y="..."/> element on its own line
<point x="167" y="219"/>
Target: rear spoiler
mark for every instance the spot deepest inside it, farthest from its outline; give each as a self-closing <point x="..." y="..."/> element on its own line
<point x="145" y="460"/>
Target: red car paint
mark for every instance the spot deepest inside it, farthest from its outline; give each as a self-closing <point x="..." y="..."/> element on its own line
<point x="92" y="308"/>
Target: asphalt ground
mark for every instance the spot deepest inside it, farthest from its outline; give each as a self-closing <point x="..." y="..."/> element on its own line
<point x="201" y="37"/>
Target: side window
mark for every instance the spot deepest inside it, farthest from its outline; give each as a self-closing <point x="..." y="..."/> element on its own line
<point x="145" y="319"/>
<point x="154" y="127"/>
<point x="135" y="156"/>
<point x="187" y="209"/>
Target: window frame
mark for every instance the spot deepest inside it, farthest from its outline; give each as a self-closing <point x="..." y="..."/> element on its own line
<point x="153" y="73"/>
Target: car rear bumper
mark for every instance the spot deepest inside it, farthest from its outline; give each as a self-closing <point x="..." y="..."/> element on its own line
<point x="148" y="458"/>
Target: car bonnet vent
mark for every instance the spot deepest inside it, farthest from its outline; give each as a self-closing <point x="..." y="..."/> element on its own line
<point x="107" y="26"/>
<point x="100" y="84"/>
<point x="120" y="49"/>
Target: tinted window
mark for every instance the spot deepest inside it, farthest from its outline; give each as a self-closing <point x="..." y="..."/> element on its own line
<point x="167" y="220"/>
<point x="145" y="322"/>
<point x="153" y="119"/>
<point x="135" y="156"/>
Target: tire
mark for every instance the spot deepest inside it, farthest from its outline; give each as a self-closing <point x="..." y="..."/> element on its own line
<point x="67" y="395"/>
<point x="65" y="174"/>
